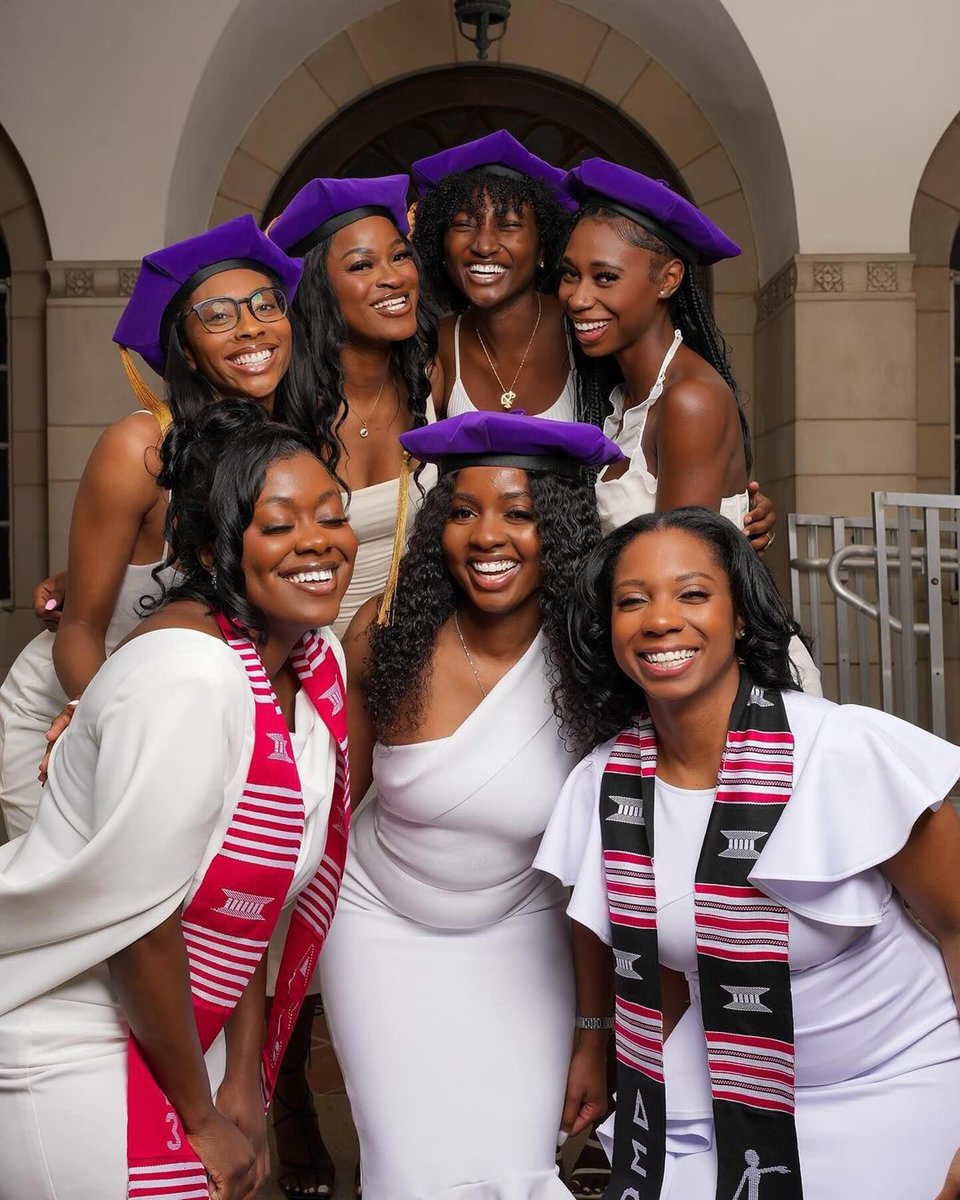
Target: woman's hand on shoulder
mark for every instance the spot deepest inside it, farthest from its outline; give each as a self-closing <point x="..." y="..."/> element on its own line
<point x="58" y="726"/>
<point x="759" y="521"/>
<point x="48" y="597"/>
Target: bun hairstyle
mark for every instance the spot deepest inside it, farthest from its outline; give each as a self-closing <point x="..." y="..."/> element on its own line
<point x="213" y="468"/>
<point x="601" y="699"/>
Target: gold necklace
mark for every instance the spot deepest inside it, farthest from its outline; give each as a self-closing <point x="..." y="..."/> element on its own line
<point x="508" y="394"/>
<point x="364" y="425"/>
<point x="469" y="656"/>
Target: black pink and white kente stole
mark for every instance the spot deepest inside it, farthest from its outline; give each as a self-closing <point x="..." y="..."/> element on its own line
<point x="742" y="961"/>
<point x="228" y="923"/>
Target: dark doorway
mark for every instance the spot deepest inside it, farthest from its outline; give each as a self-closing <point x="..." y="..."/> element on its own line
<point x="383" y="133"/>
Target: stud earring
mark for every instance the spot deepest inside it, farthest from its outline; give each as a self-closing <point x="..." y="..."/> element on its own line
<point x="741" y="633"/>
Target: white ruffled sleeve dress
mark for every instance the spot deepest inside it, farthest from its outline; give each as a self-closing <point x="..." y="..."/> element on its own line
<point x="877" y="1034"/>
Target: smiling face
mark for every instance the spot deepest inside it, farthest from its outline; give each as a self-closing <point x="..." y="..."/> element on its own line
<point x="489" y="258"/>
<point x="673" y="625"/>
<point x="299" y="549"/>
<point x="247" y="361"/>
<point x="374" y="276"/>
<point x="610" y="289"/>
<point x="491" y="542"/>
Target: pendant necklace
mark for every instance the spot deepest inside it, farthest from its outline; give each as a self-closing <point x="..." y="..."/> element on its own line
<point x="469" y="656"/>
<point x="508" y="394"/>
<point x="364" y="425"/>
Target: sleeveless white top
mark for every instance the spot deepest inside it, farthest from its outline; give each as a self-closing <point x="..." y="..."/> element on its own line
<point x="635" y="491"/>
<point x="562" y="409"/>
<point x="373" y="515"/>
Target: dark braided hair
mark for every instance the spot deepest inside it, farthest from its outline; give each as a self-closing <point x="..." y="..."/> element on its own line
<point x="689" y="312"/>
<point x="214" y="467"/>
<point x="464" y="191"/>
<point x="601" y="699"/>
<point x="317" y="390"/>
<point x="401" y="653"/>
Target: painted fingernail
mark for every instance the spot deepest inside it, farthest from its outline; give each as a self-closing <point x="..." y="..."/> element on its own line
<point x="50" y="605"/>
<point x="561" y="1137"/>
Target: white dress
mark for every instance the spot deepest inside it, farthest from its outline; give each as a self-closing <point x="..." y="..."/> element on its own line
<point x="447" y="976"/>
<point x="564" y="408"/>
<point x="31" y="697"/>
<point x="634" y="493"/>
<point x="876" y="1031"/>
<point x="141" y="789"/>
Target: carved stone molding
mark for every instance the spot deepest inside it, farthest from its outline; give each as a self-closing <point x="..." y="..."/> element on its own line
<point x="828" y="277"/>
<point x="91" y="281"/>
<point x="882" y="277"/>
<point x="772" y="297"/>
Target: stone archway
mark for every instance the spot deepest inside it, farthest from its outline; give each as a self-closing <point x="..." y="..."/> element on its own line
<point x="582" y="52"/>
<point x="24" y="234"/>
<point x="934" y="227"/>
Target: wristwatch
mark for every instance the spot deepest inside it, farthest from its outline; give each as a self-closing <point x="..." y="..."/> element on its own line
<point x="594" y="1022"/>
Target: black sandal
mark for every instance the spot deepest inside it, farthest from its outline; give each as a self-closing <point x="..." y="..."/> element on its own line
<point x="591" y="1172"/>
<point x="313" y="1175"/>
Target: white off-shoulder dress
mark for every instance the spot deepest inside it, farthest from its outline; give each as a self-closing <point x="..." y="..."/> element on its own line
<point x="876" y="1030"/>
<point x="447" y="974"/>
<point x="141" y="789"/>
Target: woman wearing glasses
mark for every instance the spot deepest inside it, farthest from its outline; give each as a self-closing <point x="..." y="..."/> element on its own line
<point x="209" y="316"/>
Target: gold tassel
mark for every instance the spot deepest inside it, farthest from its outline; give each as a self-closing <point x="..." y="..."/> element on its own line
<point x="141" y="390"/>
<point x="412" y="217"/>
<point x="399" y="543"/>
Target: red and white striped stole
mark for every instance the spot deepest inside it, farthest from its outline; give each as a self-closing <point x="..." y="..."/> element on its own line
<point x="742" y="959"/>
<point x="228" y="923"/>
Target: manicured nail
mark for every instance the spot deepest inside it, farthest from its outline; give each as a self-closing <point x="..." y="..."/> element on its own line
<point x="561" y="1138"/>
<point x="50" y="605"/>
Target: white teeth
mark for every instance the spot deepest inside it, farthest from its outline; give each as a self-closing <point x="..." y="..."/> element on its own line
<point x="494" y="568"/>
<point x="486" y="269"/>
<point x="323" y="576"/>
<point x="669" y="656"/>
<point x="253" y="359"/>
<point x="587" y="326"/>
<point x="393" y="303"/>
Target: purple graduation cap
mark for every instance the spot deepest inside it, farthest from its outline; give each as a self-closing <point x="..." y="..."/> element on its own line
<point x="498" y="439"/>
<point x="498" y="154"/>
<point x="653" y="204"/>
<point x="323" y="206"/>
<point x="168" y="276"/>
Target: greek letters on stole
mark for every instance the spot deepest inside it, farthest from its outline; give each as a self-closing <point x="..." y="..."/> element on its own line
<point x="742" y="961"/>
<point x="228" y="923"/>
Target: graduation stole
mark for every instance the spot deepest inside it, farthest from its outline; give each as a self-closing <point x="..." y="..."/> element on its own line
<point x="228" y="923"/>
<point x="742" y="961"/>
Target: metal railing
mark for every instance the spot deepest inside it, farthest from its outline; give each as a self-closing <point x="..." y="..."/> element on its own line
<point x="880" y="599"/>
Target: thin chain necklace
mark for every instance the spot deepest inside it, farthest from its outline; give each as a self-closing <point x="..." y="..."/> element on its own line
<point x="364" y="425"/>
<point x="508" y="394"/>
<point x="469" y="656"/>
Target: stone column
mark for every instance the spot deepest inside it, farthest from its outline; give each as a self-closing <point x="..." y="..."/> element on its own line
<point x="835" y="415"/>
<point x="86" y="387"/>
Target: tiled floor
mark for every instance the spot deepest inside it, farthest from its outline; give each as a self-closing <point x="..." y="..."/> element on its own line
<point x="335" y="1124"/>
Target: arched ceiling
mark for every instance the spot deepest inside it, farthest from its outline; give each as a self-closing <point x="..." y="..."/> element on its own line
<point x="696" y="42"/>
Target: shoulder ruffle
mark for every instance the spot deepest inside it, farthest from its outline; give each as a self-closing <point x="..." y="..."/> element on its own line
<point x="862" y="779"/>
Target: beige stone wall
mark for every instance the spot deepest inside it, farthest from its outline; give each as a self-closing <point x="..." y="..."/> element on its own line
<point x="934" y="225"/>
<point x="21" y="223"/>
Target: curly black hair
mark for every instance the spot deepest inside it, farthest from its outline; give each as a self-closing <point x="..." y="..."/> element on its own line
<point x="214" y="467"/>
<point x="317" y="393"/>
<point x="689" y="312"/>
<point x="402" y="652"/>
<point x="464" y="191"/>
<point x="602" y="701"/>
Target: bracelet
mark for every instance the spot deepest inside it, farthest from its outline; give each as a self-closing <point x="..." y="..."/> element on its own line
<point x="594" y="1022"/>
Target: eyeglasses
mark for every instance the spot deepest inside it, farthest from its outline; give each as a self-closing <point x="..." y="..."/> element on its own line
<point x="220" y="314"/>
